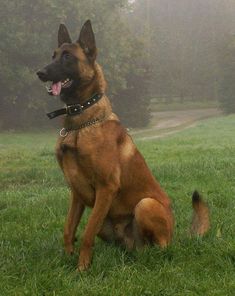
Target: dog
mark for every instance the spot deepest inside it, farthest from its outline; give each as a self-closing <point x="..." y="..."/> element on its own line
<point x="100" y="162"/>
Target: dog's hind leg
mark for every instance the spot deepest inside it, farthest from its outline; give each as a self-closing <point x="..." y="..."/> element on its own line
<point x="106" y="232"/>
<point x="154" y="222"/>
<point x="74" y="216"/>
<point x="118" y="231"/>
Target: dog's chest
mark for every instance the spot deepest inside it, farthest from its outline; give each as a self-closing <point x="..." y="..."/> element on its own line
<point x="77" y="175"/>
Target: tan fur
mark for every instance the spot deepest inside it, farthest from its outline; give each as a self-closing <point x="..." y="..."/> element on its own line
<point x="155" y="221"/>
<point x="106" y="172"/>
<point x="201" y="218"/>
<point x="127" y="149"/>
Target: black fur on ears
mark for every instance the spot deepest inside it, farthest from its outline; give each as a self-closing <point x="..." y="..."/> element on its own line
<point x="87" y="41"/>
<point x="63" y="35"/>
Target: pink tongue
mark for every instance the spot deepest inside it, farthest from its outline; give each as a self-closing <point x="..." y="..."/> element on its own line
<point x="56" y="88"/>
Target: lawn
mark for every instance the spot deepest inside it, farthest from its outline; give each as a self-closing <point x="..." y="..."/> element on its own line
<point x="34" y="202"/>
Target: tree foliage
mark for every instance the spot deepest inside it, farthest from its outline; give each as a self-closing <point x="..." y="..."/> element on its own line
<point x="148" y="48"/>
<point x="29" y="37"/>
<point x="182" y="40"/>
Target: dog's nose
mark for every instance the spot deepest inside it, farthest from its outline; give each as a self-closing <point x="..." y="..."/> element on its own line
<point x="42" y="74"/>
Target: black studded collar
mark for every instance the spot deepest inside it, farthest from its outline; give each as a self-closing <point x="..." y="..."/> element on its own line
<point x="76" y="109"/>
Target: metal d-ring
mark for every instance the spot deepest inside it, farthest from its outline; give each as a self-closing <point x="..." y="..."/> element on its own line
<point x="63" y="132"/>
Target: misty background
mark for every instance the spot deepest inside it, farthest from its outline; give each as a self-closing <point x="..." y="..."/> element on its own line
<point x="160" y="51"/>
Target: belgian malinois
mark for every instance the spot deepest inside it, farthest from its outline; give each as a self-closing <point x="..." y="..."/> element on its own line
<point x="101" y="163"/>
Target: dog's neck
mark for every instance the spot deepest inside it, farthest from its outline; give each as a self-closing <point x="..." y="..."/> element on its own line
<point x="100" y="110"/>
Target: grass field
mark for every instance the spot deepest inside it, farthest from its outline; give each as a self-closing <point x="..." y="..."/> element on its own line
<point x="34" y="202"/>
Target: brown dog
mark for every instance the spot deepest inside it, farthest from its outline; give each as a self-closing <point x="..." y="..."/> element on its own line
<point x="100" y="162"/>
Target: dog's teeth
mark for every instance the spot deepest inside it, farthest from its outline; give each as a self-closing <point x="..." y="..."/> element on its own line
<point x="48" y="88"/>
<point x="66" y="83"/>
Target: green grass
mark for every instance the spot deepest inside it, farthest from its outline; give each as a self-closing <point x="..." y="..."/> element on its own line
<point x="34" y="202"/>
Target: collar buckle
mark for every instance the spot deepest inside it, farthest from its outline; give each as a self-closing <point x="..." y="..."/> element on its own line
<point x="74" y="109"/>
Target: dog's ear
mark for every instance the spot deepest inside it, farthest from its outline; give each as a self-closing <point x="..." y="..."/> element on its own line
<point x="63" y="35"/>
<point x="87" y="41"/>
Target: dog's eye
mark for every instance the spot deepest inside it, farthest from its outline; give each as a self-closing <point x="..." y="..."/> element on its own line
<point x="66" y="55"/>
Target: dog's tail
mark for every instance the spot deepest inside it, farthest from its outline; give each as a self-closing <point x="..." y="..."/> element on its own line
<point x="201" y="218"/>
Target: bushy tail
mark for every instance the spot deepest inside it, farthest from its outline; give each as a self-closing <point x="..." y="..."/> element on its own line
<point x="201" y="217"/>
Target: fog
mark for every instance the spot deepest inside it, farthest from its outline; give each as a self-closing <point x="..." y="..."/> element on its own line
<point x="152" y="52"/>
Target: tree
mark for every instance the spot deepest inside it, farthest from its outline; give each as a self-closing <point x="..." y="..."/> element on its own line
<point x="182" y="39"/>
<point x="28" y="40"/>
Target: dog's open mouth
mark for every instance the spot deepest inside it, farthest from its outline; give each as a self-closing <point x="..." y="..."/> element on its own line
<point x="56" y="87"/>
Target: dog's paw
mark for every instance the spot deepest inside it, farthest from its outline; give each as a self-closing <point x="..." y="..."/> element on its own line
<point x="82" y="268"/>
<point x="69" y="249"/>
<point x="83" y="264"/>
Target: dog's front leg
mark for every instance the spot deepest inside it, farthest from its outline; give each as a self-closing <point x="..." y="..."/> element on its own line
<point x="104" y="198"/>
<point x="74" y="216"/>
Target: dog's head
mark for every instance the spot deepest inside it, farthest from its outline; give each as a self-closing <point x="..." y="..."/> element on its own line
<point x="72" y="64"/>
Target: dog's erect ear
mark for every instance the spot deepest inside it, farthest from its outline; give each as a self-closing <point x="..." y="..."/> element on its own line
<point x="63" y="35"/>
<point x="87" y="41"/>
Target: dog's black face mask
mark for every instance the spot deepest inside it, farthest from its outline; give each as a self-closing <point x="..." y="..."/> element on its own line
<point x="62" y="72"/>
<point x="73" y="63"/>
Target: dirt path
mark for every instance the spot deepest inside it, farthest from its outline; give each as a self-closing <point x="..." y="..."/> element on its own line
<point x="169" y="122"/>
